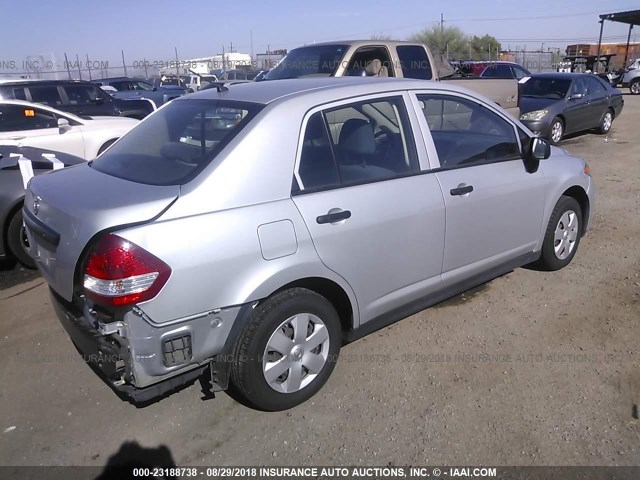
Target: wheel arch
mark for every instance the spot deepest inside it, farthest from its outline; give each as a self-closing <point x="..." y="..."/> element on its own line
<point x="578" y="193"/>
<point x="330" y="290"/>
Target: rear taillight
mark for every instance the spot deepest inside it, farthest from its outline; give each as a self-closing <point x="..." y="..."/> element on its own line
<point x="120" y="273"/>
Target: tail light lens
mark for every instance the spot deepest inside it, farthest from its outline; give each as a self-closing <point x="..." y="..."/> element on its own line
<point x="120" y="273"/>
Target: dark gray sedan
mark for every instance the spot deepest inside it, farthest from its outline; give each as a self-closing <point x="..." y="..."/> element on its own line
<point x="17" y="166"/>
<point x="553" y="105"/>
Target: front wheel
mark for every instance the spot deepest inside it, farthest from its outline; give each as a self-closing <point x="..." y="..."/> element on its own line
<point x="634" y="87"/>
<point x="556" y="131"/>
<point x="287" y="351"/>
<point x="563" y="233"/>
<point x="17" y="241"/>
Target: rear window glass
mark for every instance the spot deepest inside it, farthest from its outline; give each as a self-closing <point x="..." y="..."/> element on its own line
<point x="48" y="95"/>
<point x="414" y="61"/>
<point x="177" y="142"/>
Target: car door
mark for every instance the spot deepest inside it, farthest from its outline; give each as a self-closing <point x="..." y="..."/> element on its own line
<point x="37" y="127"/>
<point x="374" y="218"/>
<point x="494" y="207"/>
<point x="576" y="112"/>
<point x="598" y="102"/>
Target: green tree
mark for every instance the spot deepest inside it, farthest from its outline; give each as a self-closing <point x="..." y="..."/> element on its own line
<point x="484" y="48"/>
<point x="453" y="42"/>
<point x="440" y="41"/>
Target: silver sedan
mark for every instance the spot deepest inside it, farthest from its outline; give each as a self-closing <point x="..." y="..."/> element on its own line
<point x="247" y="233"/>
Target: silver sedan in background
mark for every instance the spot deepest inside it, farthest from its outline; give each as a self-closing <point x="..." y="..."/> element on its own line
<point x="246" y="233"/>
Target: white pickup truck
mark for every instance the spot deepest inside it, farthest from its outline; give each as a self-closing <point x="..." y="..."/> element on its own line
<point x="387" y="59"/>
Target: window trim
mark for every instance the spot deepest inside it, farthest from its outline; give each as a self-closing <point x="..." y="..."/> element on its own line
<point x="426" y="131"/>
<point x="405" y="99"/>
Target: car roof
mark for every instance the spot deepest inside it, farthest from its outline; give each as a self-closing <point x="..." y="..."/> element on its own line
<point x="565" y="75"/>
<point x="269" y="91"/>
<point x="25" y="81"/>
<point x="363" y="43"/>
<point x="24" y="103"/>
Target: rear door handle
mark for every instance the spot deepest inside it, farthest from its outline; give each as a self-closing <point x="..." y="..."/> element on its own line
<point x="334" y="215"/>
<point x="461" y="189"/>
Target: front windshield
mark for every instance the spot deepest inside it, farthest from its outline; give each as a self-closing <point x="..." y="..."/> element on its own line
<point x="312" y="61"/>
<point x="177" y="142"/>
<point x="554" y="88"/>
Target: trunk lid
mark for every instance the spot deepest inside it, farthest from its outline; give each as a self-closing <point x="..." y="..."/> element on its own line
<point x="63" y="211"/>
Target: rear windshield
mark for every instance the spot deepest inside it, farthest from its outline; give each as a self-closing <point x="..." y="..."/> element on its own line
<point x="177" y="142"/>
<point x="313" y="61"/>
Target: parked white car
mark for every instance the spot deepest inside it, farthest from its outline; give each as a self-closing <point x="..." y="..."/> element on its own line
<point x="35" y="125"/>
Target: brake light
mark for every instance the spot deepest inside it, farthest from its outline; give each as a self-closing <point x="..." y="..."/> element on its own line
<point x="120" y="273"/>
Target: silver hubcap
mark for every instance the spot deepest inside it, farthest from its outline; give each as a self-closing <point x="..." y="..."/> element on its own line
<point x="295" y="353"/>
<point x="606" y="123"/>
<point x="556" y="132"/>
<point x="635" y="87"/>
<point x="566" y="234"/>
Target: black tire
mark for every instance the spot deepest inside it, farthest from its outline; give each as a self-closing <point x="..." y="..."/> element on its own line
<point x="549" y="259"/>
<point x="606" y="123"/>
<point x="634" y="87"/>
<point x="248" y="382"/>
<point x="556" y="123"/>
<point x="106" y="145"/>
<point x="17" y="241"/>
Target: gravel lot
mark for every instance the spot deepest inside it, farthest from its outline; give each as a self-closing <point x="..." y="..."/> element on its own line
<point x="532" y="368"/>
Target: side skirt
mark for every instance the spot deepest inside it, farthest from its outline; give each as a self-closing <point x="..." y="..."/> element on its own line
<point x="416" y="306"/>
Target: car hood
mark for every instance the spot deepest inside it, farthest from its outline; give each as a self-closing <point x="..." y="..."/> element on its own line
<point x="531" y="104"/>
<point x="76" y="203"/>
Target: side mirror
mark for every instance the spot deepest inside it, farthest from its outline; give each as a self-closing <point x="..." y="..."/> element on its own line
<point x="540" y="149"/>
<point x="155" y="89"/>
<point x="63" y="125"/>
<point x="576" y="96"/>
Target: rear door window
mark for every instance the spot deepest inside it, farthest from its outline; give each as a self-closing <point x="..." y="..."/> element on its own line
<point x="48" y="95"/>
<point x="414" y="62"/>
<point x="358" y="143"/>
<point x="176" y="143"/>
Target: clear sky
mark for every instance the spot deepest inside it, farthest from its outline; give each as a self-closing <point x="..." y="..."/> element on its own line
<point x="151" y="29"/>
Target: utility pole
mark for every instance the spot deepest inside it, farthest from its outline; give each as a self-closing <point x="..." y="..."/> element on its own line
<point x="177" y="67"/>
<point x="223" y="64"/>
<point x="78" y="64"/>
<point x="66" y="61"/>
<point x="124" y="65"/>
<point x="441" y="22"/>
<point x="89" y="67"/>
<point x="251" y="37"/>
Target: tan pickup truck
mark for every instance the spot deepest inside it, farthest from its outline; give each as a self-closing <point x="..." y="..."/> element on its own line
<point x="387" y="59"/>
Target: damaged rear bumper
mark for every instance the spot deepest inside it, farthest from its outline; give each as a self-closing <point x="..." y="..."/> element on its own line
<point x="143" y="361"/>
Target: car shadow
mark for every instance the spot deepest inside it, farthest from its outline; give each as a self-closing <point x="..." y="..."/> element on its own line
<point x="12" y="274"/>
<point x="131" y="455"/>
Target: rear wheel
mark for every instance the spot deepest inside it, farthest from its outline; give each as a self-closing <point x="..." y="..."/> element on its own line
<point x="563" y="235"/>
<point x="634" y="87"/>
<point x="17" y="241"/>
<point x="606" y="123"/>
<point x="287" y="351"/>
<point x="556" y="131"/>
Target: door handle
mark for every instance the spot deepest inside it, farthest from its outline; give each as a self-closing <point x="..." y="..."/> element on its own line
<point x="334" y="215"/>
<point x="461" y="189"/>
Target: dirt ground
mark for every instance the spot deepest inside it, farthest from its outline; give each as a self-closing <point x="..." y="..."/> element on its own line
<point x="530" y="369"/>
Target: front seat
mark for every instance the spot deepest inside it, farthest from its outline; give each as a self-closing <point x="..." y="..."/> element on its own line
<point x="375" y="68"/>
